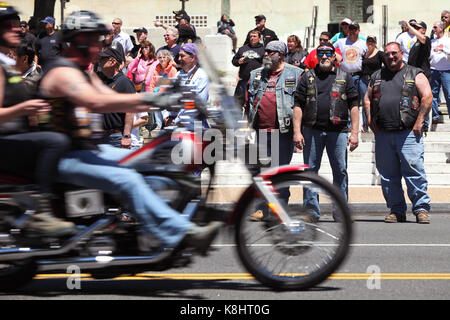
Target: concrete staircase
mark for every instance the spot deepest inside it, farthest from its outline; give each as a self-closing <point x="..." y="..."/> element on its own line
<point x="364" y="181"/>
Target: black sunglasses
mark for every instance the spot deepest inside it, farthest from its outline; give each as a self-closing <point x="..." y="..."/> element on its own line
<point x="393" y="53"/>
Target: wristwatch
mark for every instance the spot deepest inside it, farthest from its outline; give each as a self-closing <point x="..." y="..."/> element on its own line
<point x="126" y="136"/>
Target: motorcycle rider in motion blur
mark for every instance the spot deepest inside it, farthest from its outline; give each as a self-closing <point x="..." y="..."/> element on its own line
<point x="32" y="155"/>
<point x="75" y="94"/>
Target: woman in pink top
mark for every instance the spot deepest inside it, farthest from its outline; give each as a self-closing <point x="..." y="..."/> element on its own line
<point x="140" y="67"/>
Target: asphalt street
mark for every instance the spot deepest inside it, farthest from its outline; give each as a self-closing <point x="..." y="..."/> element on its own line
<point x="410" y="261"/>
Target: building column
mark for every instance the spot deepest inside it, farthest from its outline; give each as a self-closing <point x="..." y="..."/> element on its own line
<point x="225" y="7"/>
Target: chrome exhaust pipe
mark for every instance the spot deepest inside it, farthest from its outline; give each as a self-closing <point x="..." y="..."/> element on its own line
<point x="26" y="253"/>
<point x="98" y="262"/>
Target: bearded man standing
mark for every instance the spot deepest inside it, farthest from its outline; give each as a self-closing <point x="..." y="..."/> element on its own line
<point x="322" y="103"/>
<point x="269" y="104"/>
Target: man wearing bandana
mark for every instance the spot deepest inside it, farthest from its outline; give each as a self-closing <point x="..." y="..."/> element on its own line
<point x="323" y="99"/>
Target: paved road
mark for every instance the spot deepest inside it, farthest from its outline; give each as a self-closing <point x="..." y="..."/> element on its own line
<point x="413" y="261"/>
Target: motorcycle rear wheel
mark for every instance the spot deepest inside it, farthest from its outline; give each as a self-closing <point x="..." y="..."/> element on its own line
<point x="16" y="274"/>
<point x="296" y="257"/>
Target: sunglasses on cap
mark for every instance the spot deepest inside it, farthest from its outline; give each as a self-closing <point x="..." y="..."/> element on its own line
<point x="326" y="53"/>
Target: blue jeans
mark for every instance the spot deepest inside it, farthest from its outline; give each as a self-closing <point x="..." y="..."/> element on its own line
<point x="285" y="149"/>
<point x="401" y="154"/>
<point x="438" y="79"/>
<point x="114" y="139"/>
<point x="99" y="170"/>
<point x="335" y="144"/>
<point x="363" y="84"/>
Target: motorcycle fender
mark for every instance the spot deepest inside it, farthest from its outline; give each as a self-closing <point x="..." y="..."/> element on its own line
<point x="249" y="193"/>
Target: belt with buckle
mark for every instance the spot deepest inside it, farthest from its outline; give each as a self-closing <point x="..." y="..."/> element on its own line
<point x="108" y="132"/>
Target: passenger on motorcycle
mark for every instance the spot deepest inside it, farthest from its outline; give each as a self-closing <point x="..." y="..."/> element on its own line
<point x="33" y="155"/>
<point x="74" y="94"/>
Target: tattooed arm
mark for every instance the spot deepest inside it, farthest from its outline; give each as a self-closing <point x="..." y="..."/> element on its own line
<point x="71" y="84"/>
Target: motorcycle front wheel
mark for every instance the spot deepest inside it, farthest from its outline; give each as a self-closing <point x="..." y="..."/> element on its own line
<point x="305" y="253"/>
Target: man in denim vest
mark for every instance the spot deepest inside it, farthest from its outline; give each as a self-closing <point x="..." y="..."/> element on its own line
<point x="323" y="99"/>
<point x="269" y="105"/>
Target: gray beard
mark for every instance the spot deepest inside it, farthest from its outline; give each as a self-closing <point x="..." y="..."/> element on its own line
<point x="325" y="67"/>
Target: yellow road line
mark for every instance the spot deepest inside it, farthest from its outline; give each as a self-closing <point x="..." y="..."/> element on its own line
<point x="247" y="276"/>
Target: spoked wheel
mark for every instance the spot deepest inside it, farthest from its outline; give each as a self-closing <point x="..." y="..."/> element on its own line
<point x="305" y="253"/>
<point x="16" y="274"/>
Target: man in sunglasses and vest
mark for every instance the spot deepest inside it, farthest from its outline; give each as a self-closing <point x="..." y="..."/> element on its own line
<point x="323" y="100"/>
<point x="398" y="98"/>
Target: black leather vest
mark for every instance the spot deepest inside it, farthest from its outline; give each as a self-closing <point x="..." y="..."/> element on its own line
<point x="338" y="99"/>
<point x="15" y="91"/>
<point x="409" y="102"/>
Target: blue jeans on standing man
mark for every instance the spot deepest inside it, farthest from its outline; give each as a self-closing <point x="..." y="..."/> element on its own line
<point x="438" y="79"/>
<point x="99" y="169"/>
<point x="401" y="154"/>
<point x="335" y="144"/>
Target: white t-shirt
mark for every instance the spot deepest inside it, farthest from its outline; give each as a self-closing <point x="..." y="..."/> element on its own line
<point x="352" y="54"/>
<point x="135" y="138"/>
<point x="124" y="39"/>
<point x="406" y="41"/>
<point x="440" y="60"/>
<point x="4" y="59"/>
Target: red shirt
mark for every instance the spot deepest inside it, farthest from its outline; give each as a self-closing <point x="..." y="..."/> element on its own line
<point x="312" y="61"/>
<point x="267" y="110"/>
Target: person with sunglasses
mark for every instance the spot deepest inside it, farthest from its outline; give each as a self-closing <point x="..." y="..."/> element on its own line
<point x="269" y="104"/>
<point x="395" y="111"/>
<point x="445" y="18"/>
<point x="121" y="36"/>
<point x="345" y="23"/>
<point x="312" y="60"/>
<point x="25" y="33"/>
<point x="407" y="39"/>
<point x="323" y="99"/>
<point x="27" y="153"/>
<point x="76" y="96"/>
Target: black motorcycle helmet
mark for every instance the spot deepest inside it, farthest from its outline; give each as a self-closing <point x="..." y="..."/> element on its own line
<point x="7" y="12"/>
<point x="82" y="22"/>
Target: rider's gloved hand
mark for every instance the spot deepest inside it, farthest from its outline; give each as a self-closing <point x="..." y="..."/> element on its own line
<point x="163" y="100"/>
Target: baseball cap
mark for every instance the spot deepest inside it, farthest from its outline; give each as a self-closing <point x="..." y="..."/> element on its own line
<point x="327" y="46"/>
<point x="140" y="29"/>
<point x="24" y="23"/>
<point x="260" y="17"/>
<point x="277" y="46"/>
<point x="49" y="20"/>
<point x="419" y="24"/>
<point x="355" y="25"/>
<point x="190" y="48"/>
<point x="372" y="37"/>
<point x="347" y="21"/>
<point x="115" y="51"/>
<point x="181" y="14"/>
